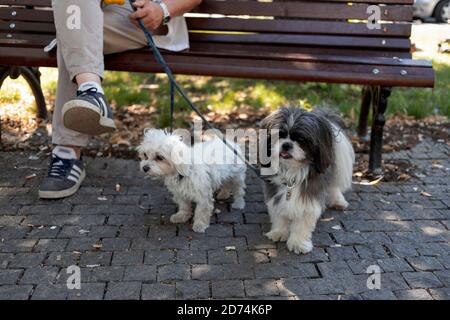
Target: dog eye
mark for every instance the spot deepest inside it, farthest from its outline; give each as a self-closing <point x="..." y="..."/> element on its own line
<point x="282" y="134"/>
<point x="159" y="158"/>
<point x="145" y="156"/>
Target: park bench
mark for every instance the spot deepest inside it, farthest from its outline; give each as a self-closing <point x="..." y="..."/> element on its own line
<point x="317" y="41"/>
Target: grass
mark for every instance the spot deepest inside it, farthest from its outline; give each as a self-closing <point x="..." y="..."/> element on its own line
<point x="228" y="95"/>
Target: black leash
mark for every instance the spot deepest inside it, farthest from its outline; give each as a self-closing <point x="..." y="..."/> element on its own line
<point x="175" y="87"/>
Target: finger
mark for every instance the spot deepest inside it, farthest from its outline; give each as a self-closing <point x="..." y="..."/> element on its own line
<point x="149" y="23"/>
<point x="139" y="3"/>
<point x="139" y="14"/>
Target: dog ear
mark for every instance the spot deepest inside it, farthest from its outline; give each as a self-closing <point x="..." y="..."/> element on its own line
<point x="323" y="146"/>
<point x="181" y="158"/>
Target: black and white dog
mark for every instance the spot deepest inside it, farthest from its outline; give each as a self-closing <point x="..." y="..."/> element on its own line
<point x="315" y="161"/>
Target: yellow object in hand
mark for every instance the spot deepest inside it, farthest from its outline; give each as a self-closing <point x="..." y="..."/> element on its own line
<point x="119" y="2"/>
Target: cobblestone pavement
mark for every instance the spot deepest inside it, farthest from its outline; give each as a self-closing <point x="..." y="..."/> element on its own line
<point x="127" y="248"/>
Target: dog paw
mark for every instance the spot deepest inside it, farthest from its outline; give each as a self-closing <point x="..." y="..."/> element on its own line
<point x="238" y="204"/>
<point x="299" y="247"/>
<point x="223" y="195"/>
<point x="180" y="217"/>
<point x="199" y="227"/>
<point x="276" y="235"/>
<point x="340" y="205"/>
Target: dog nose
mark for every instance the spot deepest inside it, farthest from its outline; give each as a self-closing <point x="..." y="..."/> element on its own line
<point x="146" y="168"/>
<point x="287" y="146"/>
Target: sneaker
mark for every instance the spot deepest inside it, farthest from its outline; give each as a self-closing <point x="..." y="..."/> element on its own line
<point x="64" y="176"/>
<point x="89" y="113"/>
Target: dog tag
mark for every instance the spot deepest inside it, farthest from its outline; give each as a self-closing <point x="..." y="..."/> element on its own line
<point x="289" y="192"/>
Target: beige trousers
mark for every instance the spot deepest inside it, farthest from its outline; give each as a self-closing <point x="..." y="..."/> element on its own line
<point x="81" y="47"/>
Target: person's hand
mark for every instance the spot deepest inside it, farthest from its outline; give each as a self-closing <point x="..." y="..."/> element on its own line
<point x="149" y="12"/>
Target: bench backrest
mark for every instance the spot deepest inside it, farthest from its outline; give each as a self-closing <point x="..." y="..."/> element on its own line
<point x="330" y="27"/>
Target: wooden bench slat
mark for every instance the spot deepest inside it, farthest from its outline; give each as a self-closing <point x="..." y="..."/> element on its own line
<point x="332" y="41"/>
<point x="299" y="9"/>
<point x="303" y="9"/>
<point x="23" y="26"/>
<point x="350" y="52"/>
<point x="47" y="3"/>
<point x="37" y="3"/>
<point x="36" y="40"/>
<point x="139" y="61"/>
<point x="16" y="14"/>
<point x="297" y="26"/>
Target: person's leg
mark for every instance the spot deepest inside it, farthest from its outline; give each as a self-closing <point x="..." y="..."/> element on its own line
<point x="79" y="25"/>
<point x="80" y="63"/>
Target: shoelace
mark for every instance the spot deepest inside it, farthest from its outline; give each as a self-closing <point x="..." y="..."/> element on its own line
<point x="93" y="93"/>
<point x="59" y="167"/>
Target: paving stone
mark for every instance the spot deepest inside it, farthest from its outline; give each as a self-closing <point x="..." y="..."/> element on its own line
<point x="104" y="274"/>
<point x="47" y="291"/>
<point x="174" y="272"/>
<point x="62" y="259"/>
<point x="51" y="245"/>
<point x="342" y="253"/>
<point x="17" y="245"/>
<point x="10" y="276"/>
<point x="294" y="287"/>
<point x="223" y="289"/>
<point x="444" y="276"/>
<point x="114" y="244"/>
<point x="335" y="269"/>
<point x="325" y="286"/>
<point x="221" y="256"/>
<point x="123" y="291"/>
<point x="158" y="291"/>
<point x="95" y="258"/>
<point x="25" y="260"/>
<point x="425" y="263"/>
<point x="144" y="273"/>
<point x="162" y="257"/>
<point x="261" y="288"/>
<point x="418" y="280"/>
<point x="394" y="265"/>
<point x="15" y="292"/>
<point x="192" y="289"/>
<point x="88" y="291"/>
<point x="413" y="294"/>
<point x="127" y="258"/>
<point x="361" y="266"/>
<point x="440" y="293"/>
<point x="393" y="281"/>
<point x="379" y="295"/>
<point x="36" y="275"/>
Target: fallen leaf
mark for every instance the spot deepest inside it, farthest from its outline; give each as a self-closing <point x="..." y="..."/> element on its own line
<point x="97" y="246"/>
<point x="426" y="194"/>
<point x="327" y="219"/>
<point x="31" y="176"/>
<point x="336" y="227"/>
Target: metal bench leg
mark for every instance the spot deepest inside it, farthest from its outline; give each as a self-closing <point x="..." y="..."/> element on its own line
<point x="366" y="100"/>
<point x="33" y="78"/>
<point x="376" y="137"/>
<point x="4" y="73"/>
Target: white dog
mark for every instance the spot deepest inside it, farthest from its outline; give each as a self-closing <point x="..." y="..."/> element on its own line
<point x="315" y="168"/>
<point x="194" y="174"/>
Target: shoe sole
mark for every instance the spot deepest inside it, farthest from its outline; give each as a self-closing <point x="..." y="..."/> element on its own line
<point x="63" y="193"/>
<point x="81" y="116"/>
